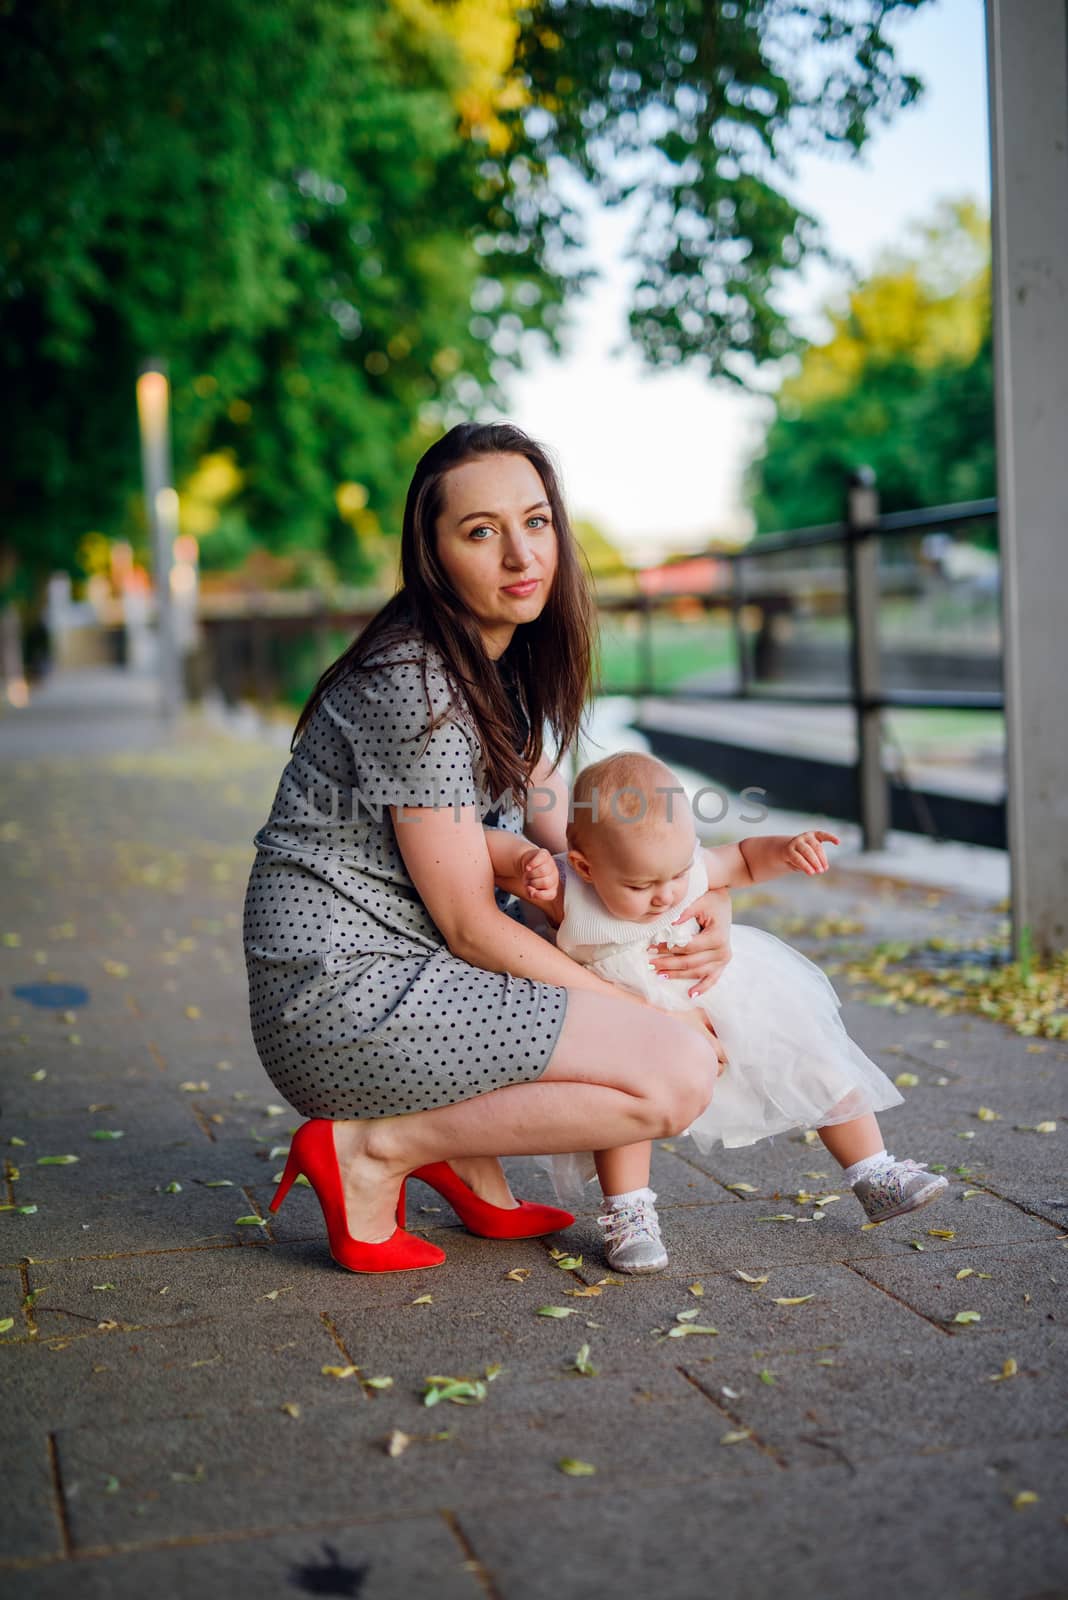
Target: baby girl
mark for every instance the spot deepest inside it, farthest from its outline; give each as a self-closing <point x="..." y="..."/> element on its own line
<point x="632" y="863"/>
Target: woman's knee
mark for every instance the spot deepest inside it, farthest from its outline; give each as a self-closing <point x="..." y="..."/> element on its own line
<point x="667" y="1068"/>
<point x="683" y="1092"/>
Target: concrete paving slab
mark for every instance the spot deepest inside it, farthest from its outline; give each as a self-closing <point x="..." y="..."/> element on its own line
<point x="110" y="1221"/>
<point x="833" y="1306"/>
<point x="236" y="1364"/>
<point x="31" y="1525"/>
<point x="159" y="1289"/>
<point x="1025" y="1287"/>
<point x="928" y="1527"/>
<point x="27" y="1096"/>
<point x="844" y="1404"/>
<point x="423" y="1557"/>
<point x="505" y="1449"/>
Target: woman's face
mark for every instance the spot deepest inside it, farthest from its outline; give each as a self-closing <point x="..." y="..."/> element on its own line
<point x="497" y="544"/>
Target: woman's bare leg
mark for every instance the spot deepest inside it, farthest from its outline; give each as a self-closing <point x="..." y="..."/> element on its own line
<point x="598" y="1083"/>
<point x="485" y="1175"/>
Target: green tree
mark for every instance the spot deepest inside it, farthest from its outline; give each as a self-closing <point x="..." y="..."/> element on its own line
<point x="605" y="559"/>
<point x="336" y="220"/>
<point x="695" y="108"/>
<point x="286" y="201"/>
<point x="903" y="384"/>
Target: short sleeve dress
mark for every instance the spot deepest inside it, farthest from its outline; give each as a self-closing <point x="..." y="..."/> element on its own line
<point x="357" y="1006"/>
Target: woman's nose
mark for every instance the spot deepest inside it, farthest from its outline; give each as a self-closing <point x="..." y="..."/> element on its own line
<point x="517" y="552"/>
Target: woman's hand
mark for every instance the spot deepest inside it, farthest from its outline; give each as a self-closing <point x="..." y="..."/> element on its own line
<point x="701" y="961"/>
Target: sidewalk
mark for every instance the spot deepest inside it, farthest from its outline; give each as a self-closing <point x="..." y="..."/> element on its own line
<point x="171" y="1427"/>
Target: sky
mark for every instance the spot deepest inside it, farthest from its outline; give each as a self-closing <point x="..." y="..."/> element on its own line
<point x="655" y="458"/>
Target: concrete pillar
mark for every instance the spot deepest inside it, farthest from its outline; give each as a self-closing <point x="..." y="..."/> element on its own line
<point x="1027" y="42"/>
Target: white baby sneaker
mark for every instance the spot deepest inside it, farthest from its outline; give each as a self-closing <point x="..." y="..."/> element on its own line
<point x="896" y="1187"/>
<point x="632" y="1235"/>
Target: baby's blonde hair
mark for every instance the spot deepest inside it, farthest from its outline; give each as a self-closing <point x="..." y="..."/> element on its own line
<point x="625" y="786"/>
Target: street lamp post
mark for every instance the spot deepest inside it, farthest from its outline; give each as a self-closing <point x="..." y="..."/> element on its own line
<point x="153" y="403"/>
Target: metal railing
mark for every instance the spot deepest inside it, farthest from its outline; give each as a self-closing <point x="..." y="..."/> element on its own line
<point x="858" y="537"/>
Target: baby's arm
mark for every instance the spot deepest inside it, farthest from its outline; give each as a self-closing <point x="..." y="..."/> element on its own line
<point x="526" y="870"/>
<point x="756" y="860"/>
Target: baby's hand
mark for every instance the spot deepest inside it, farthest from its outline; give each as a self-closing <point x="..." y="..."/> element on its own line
<point x="540" y="876"/>
<point x="805" y="853"/>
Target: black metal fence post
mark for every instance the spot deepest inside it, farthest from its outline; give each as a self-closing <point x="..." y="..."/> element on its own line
<point x="741" y="638"/>
<point x="862" y="565"/>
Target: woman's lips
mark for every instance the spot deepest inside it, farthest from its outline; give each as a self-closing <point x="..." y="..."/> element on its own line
<point x="521" y="589"/>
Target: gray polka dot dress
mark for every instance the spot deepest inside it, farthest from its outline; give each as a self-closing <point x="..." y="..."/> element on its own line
<point x="357" y="1006"/>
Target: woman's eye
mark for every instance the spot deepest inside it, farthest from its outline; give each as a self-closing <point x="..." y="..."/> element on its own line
<point x="483" y="529"/>
<point x="538" y="518"/>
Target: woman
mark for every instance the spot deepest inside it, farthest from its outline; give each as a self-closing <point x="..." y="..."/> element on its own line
<point x="397" y="999"/>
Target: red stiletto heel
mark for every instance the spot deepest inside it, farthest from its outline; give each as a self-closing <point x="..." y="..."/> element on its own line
<point x="528" y="1220"/>
<point x="312" y="1153"/>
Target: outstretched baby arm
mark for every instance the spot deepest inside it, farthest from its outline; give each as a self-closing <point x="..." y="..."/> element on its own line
<point x="526" y="870"/>
<point x="757" y="860"/>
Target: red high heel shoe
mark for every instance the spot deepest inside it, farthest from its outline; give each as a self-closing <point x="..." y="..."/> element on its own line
<point x="528" y="1220"/>
<point x="312" y="1152"/>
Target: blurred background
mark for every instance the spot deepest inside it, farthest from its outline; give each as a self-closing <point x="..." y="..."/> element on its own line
<point x="730" y="262"/>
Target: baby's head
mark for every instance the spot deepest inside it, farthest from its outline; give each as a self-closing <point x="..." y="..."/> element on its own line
<point x="633" y="845"/>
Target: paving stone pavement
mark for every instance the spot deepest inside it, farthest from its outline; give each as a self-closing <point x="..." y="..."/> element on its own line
<point x="169" y="1423"/>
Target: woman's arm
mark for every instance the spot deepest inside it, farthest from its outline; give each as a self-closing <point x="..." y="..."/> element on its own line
<point x="547" y="803"/>
<point x="448" y="861"/>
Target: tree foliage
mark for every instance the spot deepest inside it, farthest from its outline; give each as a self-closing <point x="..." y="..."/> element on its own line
<point x="904" y="384"/>
<point x="696" y="108"/>
<point x="336" y="219"/>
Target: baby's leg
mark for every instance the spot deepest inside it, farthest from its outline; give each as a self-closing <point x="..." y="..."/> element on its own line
<point x="850" y="1142"/>
<point x="632" y="1229"/>
<point x="625" y="1169"/>
<point x="884" y="1186"/>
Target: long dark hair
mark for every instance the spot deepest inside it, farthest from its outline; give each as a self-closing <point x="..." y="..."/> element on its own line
<point x="550" y="660"/>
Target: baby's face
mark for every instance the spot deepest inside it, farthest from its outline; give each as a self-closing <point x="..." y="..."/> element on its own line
<point x="640" y="873"/>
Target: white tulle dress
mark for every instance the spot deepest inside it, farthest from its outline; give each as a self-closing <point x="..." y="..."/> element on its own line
<point x="790" y="1062"/>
